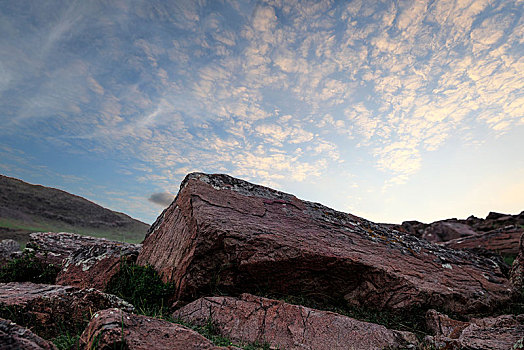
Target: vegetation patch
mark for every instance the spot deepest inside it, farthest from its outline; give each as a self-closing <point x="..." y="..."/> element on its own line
<point x="142" y="287"/>
<point x="29" y="268"/>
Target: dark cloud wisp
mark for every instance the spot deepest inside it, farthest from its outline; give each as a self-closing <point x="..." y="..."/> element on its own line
<point x="161" y="198"/>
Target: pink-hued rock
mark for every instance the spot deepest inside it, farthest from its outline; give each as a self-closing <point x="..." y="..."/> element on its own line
<point x="48" y="309"/>
<point x="93" y="266"/>
<point x="226" y="234"/>
<point x="250" y="319"/>
<point x="14" y="337"/>
<point x="56" y="247"/>
<point x="497" y="333"/>
<point x="116" y="329"/>
<point x="517" y="269"/>
<point x="442" y="231"/>
<point x="503" y="240"/>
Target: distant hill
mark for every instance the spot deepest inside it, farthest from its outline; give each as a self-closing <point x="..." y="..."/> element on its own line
<point x="26" y="208"/>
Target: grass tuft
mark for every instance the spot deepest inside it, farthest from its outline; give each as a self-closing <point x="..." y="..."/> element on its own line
<point x="28" y="268"/>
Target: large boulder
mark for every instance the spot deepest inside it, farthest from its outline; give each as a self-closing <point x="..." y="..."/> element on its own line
<point x="442" y="231"/>
<point x="251" y="319"/>
<point x="49" y="309"/>
<point x="502" y="240"/>
<point x="225" y="234"/>
<point x="14" y="337"/>
<point x="517" y="269"/>
<point x="496" y="333"/>
<point x="93" y="266"/>
<point x="116" y="329"/>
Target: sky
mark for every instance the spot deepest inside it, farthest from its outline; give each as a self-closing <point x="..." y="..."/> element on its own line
<point x="389" y="110"/>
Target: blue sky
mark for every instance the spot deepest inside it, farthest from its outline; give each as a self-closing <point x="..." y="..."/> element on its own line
<point x="390" y="110"/>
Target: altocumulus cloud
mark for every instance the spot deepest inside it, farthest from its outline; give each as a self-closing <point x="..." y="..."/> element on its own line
<point x="161" y="198"/>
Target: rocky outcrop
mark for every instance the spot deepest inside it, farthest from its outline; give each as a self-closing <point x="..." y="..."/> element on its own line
<point x="495" y="333"/>
<point x="92" y="266"/>
<point x="50" y="309"/>
<point x="250" y="319"/>
<point x="442" y="231"/>
<point x="9" y="249"/>
<point x="116" y="329"/>
<point x="14" y="337"/>
<point x="226" y="234"/>
<point x="502" y="240"/>
<point x="517" y="269"/>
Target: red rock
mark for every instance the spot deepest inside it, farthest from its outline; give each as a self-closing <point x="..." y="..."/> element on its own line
<point x="250" y="319"/>
<point x="504" y="240"/>
<point x="517" y="269"/>
<point x="14" y="337"/>
<point x="48" y="309"/>
<point x="93" y="266"/>
<point x="226" y="234"/>
<point x="442" y="231"/>
<point x="116" y="329"/>
<point x="495" y="333"/>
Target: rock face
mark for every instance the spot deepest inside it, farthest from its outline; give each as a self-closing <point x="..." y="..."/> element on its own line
<point x="250" y="319"/>
<point x="497" y="333"/>
<point x="14" y="337"/>
<point x="502" y="240"/>
<point x="47" y="309"/>
<point x="55" y="247"/>
<point x="226" y="234"/>
<point x="92" y="266"/>
<point x="517" y="269"/>
<point x="442" y="231"/>
<point x="115" y="329"/>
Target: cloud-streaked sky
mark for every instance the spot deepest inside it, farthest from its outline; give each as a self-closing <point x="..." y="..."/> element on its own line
<point x="390" y="110"/>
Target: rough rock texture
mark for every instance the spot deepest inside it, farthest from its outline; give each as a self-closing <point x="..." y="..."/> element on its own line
<point x="14" y="337"/>
<point x="93" y="266"/>
<point x="485" y="333"/>
<point x="226" y="234"/>
<point x="517" y="269"/>
<point x="9" y="249"/>
<point x="250" y="319"/>
<point x="47" y="309"/>
<point x="55" y="247"/>
<point x="115" y="329"/>
<point x="502" y="240"/>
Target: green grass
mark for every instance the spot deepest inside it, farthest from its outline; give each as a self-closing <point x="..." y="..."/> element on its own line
<point x="509" y="259"/>
<point x="28" y="268"/>
<point x="67" y="341"/>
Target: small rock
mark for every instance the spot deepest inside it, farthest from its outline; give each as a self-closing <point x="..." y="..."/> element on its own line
<point x="92" y="266"/>
<point x="250" y="319"/>
<point x="496" y="333"/>
<point x="9" y="250"/>
<point x="116" y="329"/>
<point x="49" y="309"/>
<point x="14" y="337"/>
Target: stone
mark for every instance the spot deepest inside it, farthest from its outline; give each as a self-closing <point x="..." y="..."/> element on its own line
<point x="225" y="234"/>
<point x="48" y="309"/>
<point x="250" y="319"/>
<point x="502" y="240"/>
<point x="495" y="333"/>
<point x="116" y="329"/>
<point x="517" y="269"/>
<point x="93" y="266"/>
<point x="14" y="337"/>
<point x="442" y="231"/>
<point x="55" y="247"/>
<point x="9" y="250"/>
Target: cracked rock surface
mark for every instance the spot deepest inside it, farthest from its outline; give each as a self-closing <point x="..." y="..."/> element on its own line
<point x="517" y="269"/>
<point x="14" y="337"/>
<point x="49" y="309"/>
<point x="496" y="333"/>
<point x="226" y="234"/>
<point x="286" y="326"/>
<point x="116" y="329"/>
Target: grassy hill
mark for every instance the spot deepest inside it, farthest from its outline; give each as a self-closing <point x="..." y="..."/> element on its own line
<point x="26" y="208"/>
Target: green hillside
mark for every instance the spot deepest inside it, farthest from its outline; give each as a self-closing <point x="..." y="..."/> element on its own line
<point x="26" y="208"/>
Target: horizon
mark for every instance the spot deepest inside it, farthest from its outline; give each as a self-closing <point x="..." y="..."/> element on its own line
<point x="391" y="112"/>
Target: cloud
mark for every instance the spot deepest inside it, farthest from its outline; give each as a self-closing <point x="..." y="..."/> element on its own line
<point x="161" y="198"/>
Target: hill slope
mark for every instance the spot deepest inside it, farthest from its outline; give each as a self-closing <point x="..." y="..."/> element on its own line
<point x="26" y="208"/>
